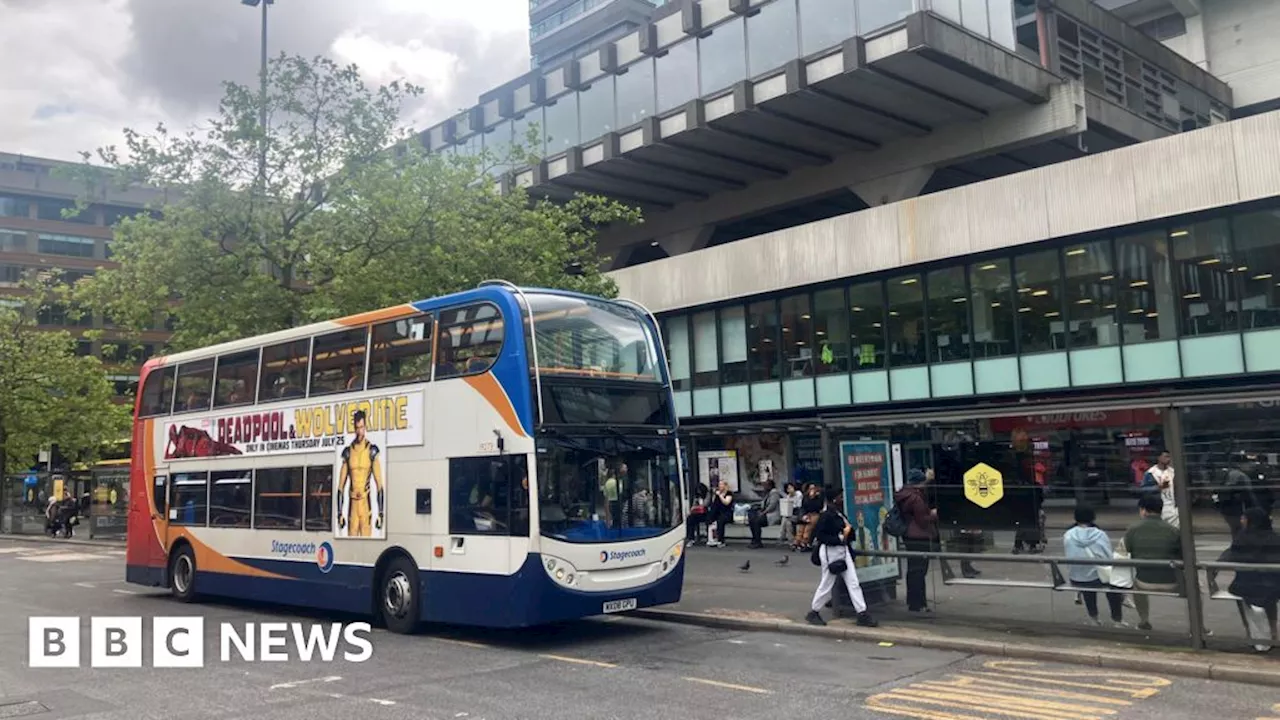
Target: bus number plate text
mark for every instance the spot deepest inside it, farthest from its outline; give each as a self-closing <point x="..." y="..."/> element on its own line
<point x="615" y="606"/>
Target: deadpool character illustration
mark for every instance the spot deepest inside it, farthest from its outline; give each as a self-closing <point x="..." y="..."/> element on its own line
<point x="189" y="442"/>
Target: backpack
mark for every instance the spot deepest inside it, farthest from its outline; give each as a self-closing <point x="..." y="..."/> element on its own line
<point x="895" y="523"/>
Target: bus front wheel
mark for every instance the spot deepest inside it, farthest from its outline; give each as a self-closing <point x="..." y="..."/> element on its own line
<point x="182" y="574"/>
<point x="398" y="599"/>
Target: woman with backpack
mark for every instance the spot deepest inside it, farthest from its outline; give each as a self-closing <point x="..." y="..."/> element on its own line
<point x="921" y="534"/>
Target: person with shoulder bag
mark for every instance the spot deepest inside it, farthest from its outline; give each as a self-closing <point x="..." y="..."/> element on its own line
<point x="832" y="535"/>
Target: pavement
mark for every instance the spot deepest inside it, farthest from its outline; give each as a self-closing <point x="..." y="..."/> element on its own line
<point x="618" y="667"/>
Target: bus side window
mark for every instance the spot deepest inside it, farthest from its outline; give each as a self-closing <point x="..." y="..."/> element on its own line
<point x="157" y="393"/>
<point x="479" y="501"/>
<point x="279" y="498"/>
<point x="189" y="499"/>
<point x="160" y="495"/>
<point x="319" y="497"/>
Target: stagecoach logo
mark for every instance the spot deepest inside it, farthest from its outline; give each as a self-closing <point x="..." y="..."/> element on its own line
<point x="324" y="557"/>
<point x="620" y="555"/>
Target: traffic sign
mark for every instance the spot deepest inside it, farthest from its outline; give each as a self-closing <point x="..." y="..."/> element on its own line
<point x="983" y="485"/>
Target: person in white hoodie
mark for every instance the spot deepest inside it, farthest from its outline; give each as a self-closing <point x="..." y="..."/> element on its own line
<point x="1085" y="541"/>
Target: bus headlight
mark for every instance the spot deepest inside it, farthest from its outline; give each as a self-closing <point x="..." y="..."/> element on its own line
<point x="672" y="557"/>
<point x="560" y="571"/>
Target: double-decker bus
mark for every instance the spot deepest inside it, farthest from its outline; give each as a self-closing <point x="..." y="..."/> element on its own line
<point x="500" y="457"/>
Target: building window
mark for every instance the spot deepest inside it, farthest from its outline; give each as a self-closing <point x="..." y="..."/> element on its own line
<point x="991" y="286"/>
<point x="906" y="321"/>
<point x="635" y="93"/>
<point x="337" y="362"/>
<point x="1165" y="27"/>
<point x="733" y="345"/>
<point x="1091" y="295"/>
<point x="866" y="330"/>
<point x="13" y="240"/>
<point x="706" y="364"/>
<point x="1257" y="246"/>
<point x="762" y="340"/>
<point x="722" y="56"/>
<point x="14" y="207"/>
<point x="825" y="24"/>
<point x="875" y="14"/>
<point x="831" y="331"/>
<point x="284" y="371"/>
<point x="319" y="498"/>
<point x="677" y="75"/>
<point x="53" y="209"/>
<point x="84" y="348"/>
<point x="157" y="393"/>
<point x="470" y="339"/>
<point x="1039" y="281"/>
<point x="401" y="352"/>
<point x="195" y="381"/>
<point x="677" y="337"/>
<point x="279" y="499"/>
<point x="11" y="275"/>
<point x="1206" y="272"/>
<point x="230" y="499"/>
<point x="237" y="379"/>
<point x="1147" y="307"/>
<point x="189" y="499"/>
<point x="797" y="337"/>
<point x="68" y="245"/>
<point x="948" y="315"/>
<point x="562" y="131"/>
<point x="772" y="37"/>
<point x="596" y="107"/>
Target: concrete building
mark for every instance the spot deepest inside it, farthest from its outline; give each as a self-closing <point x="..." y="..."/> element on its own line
<point x="560" y="30"/>
<point x="34" y="234"/>
<point x="1043" y="234"/>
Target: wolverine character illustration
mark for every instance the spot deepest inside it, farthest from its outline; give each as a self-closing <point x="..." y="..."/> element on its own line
<point x="360" y="469"/>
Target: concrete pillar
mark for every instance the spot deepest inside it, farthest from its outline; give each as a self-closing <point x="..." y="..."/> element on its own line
<point x="893" y="188"/>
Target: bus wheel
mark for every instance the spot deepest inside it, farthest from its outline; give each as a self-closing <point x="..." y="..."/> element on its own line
<point x="398" y="598"/>
<point x="182" y="574"/>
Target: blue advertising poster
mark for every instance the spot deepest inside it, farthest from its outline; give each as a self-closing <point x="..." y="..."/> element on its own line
<point x="868" y="496"/>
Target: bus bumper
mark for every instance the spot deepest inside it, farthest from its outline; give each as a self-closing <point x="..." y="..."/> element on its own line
<point x="529" y="597"/>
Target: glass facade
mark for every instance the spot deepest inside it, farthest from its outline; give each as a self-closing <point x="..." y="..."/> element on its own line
<point x="731" y="49"/>
<point x="1187" y="300"/>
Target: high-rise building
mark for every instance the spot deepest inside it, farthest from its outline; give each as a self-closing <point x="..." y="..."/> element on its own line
<point x="560" y="30"/>
<point x="35" y="234"/>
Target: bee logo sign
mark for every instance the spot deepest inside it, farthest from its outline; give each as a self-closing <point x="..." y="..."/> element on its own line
<point x="983" y="485"/>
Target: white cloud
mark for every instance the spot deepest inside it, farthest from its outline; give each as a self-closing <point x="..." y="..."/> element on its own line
<point x="73" y="73"/>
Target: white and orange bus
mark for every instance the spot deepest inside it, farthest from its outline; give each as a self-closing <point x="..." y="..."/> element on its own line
<point x="500" y="457"/>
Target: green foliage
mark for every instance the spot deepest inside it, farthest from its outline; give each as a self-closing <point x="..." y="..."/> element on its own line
<point x="350" y="215"/>
<point x="48" y="394"/>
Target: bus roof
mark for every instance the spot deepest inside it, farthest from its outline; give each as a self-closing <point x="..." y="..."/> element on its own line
<point x="365" y="318"/>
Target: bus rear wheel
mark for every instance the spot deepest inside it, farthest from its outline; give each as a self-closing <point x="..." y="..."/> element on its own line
<point x="182" y="574"/>
<point x="398" y="602"/>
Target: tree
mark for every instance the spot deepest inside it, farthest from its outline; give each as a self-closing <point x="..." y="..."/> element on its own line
<point x="48" y="394"/>
<point x="350" y="215"/>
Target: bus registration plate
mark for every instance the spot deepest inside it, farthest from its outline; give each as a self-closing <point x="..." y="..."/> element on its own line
<point x="614" y="606"/>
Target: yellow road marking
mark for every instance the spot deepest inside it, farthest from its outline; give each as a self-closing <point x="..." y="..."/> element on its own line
<point x="466" y="643"/>
<point x="579" y="661"/>
<point x="1275" y="709"/>
<point x="1021" y="691"/>
<point x="997" y="685"/>
<point x="1004" y="705"/>
<point x="730" y="686"/>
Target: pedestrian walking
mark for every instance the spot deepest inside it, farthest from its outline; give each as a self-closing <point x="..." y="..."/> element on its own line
<point x="832" y="534"/>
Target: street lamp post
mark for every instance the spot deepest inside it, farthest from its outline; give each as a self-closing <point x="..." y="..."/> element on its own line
<point x="262" y="89"/>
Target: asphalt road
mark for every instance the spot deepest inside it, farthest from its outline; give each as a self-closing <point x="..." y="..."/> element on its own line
<point x="595" y="669"/>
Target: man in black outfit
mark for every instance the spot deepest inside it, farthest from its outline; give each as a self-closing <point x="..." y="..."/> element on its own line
<point x="833" y="533"/>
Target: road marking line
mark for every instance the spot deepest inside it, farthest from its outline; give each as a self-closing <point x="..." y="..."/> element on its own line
<point x="466" y="643"/>
<point x="296" y="683"/>
<point x="876" y="702"/>
<point x="736" y="642"/>
<point x="967" y="704"/>
<point x="124" y="592"/>
<point x="1136" y="694"/>
<point x="730" y="686"/>
<point x="1130" y="679"/>
<point x="964" y="681"/>
<point x="996" y="701"/>
<point x="60" y="557"/>
<point x="11" y="550"/>
<point x="85" y="585"/>
<point x="382" y="702"/>
<point x="579" y="661"/>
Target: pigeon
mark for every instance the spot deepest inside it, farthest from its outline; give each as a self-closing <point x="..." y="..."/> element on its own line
<point x="785" y="559"/>
<point x="745" y="567"/>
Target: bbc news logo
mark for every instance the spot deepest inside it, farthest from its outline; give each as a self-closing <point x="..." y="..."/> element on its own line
<point x="179" y="642"/>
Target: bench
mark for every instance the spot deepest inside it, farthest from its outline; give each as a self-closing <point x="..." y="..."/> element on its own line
<point x="1057" y="581"/>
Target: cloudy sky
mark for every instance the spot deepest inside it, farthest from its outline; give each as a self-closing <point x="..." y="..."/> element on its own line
<point x="73" y="73"/>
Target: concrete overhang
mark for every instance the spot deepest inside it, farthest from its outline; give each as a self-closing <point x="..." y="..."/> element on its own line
<point x="904" y="81"/>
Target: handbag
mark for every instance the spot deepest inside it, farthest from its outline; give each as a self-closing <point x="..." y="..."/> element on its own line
<point x="1119" y="576"/>
<point x="837" y="567"/>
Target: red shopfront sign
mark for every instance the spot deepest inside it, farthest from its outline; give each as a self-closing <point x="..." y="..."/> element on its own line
<point x="1073" y="420"/>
